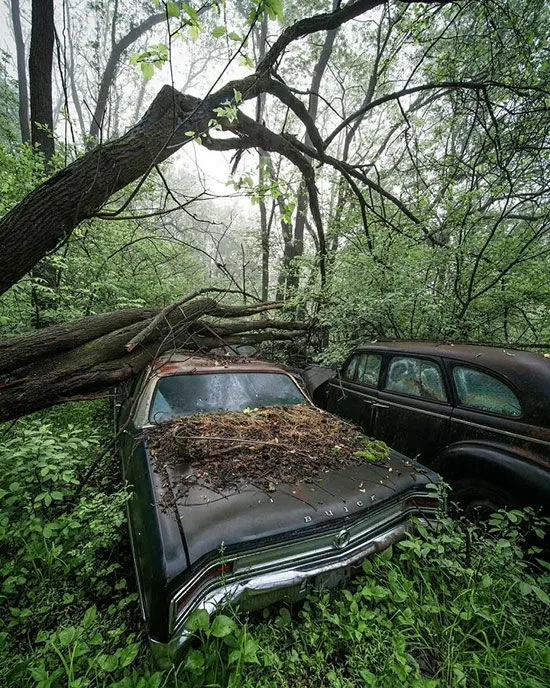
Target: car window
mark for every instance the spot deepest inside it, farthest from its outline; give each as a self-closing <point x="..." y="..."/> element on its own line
<point x="364" y="368"/>
<point x="350" y="371"/>
<point x="368" y="369"/>
<point x="417" y="377"/>
<point x="482" y="391"/>
<point x="183" y="395"/>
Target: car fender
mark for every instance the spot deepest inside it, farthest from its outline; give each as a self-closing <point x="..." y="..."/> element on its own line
<point x="527" y="482"/>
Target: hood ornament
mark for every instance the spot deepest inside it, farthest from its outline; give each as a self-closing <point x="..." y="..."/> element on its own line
<point x="342" y="539"/>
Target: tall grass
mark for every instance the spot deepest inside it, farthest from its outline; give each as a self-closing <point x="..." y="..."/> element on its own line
<point x="456" y="606"/>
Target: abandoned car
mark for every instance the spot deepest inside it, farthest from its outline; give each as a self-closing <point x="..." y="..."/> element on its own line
<point x="478" y="415"/>
<point x="245" y="492"/>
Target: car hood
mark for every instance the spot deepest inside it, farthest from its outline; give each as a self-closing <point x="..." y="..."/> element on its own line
<point x="212" y="519"/>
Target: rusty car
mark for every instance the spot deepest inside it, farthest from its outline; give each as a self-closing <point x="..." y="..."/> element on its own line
<point x="478" y="415"/>
<point x="201" y="546"/>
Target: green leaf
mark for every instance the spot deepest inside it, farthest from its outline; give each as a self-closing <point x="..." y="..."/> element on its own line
<point x="234" y="36"/>
<point x="218" y="31"/>
<point x="191" y="12"/>
<point x="195" y="660"/>
<point x="172" y="9"/>
<point x="128" y="654"/>
<point x="249" y="652"/>
<point x="274" y="9"/>
<point x="486" y="581"/>
<point x="198" y="621"/>
<point x="525" y="588"/>
<point x="246" y="61"/>
<point x="89" y="617"/>
<point x="147" y="69"/>
<point x="539" y="592"/>
<point x="108" y="662"/>
<point x="66" y="636"/>
<point x="222" y="626"/>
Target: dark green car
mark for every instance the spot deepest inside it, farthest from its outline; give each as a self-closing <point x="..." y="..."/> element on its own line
<point x="204" y="547"/>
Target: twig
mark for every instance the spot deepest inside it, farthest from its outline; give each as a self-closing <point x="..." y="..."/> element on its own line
<point x="158" y="319"/>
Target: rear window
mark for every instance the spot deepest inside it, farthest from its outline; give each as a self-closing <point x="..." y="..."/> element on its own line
<point x="484" y="392"/>
<point x="183" y="395"/>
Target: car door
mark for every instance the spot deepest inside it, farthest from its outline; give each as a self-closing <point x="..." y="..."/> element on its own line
<point x="413" y="410"/>
<point x="353" y="392"/>
<point x="487" y="409"/>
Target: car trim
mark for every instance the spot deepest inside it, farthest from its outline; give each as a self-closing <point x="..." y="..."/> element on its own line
<point x="500" y="431"/>
<point x="341" y="388"/>
<point x="418" y="408"/>
<point x="293" y="578"/>
<point x="305" y="550"/>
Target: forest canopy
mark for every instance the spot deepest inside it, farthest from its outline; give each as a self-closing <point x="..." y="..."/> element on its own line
<point x="297" y="178"/>
<point x="379" y="168"/>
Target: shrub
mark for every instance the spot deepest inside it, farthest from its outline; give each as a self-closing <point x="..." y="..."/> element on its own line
<point x="455" y="606"/>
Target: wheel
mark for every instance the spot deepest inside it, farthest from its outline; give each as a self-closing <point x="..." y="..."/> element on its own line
<point x="478" y="499"/>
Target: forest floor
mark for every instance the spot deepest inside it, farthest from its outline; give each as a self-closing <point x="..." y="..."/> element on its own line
<point x="456" y="606"/>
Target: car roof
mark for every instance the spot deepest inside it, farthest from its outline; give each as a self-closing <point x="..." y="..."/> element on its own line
<point x="528" y="372"/>
<point x="191" y="362"/>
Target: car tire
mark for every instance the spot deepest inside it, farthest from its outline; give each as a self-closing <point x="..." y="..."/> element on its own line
<point x="478" y="499"/>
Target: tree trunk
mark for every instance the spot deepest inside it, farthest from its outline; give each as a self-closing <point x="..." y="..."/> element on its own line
<point x="262" y="155"/>
<point x="40" y="76"/>
<point x="88" y="356"/>
<point x="289" y="267"/>
<point x="21" y="73"/>
<point x="45" y="217"/>
<point x="74" y="90"/>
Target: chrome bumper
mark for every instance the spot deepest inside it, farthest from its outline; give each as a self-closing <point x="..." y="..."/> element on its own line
<point x="289" y="584"/>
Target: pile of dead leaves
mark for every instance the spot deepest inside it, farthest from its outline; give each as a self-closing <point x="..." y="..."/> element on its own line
<point x="262" y="447"/>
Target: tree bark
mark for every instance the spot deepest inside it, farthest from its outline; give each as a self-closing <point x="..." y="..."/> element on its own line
<point x="40" y="76"/>
<point x="21" y="72"/>
<point x="80" y="359"/>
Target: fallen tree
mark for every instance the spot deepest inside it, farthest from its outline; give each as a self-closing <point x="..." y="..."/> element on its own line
<point x="81" y="359"/>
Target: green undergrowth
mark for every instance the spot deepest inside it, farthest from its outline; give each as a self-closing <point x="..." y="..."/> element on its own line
<point x="457" y="606"/>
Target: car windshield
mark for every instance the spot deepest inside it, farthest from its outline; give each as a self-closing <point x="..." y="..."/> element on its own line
<point x="183" y="395"/>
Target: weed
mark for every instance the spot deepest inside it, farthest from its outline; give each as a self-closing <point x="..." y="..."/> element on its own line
<point x="455" y="606"/>
<point x="375" y="451"/>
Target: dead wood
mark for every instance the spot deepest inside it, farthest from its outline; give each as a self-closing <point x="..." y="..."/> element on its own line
<point x="264" y="447"/>
<point x="80" y="359"/>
